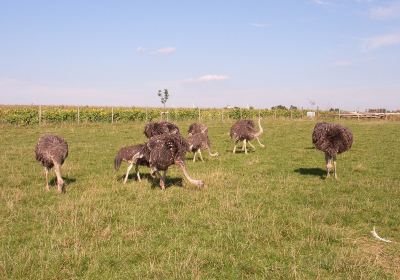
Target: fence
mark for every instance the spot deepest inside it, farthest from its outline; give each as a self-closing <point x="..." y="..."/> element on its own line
<point x="26" y="115"/>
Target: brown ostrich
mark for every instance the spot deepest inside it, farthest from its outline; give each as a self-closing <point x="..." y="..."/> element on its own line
<point x="332" y="139"/>
<point x="158" y="128"/>
<point x="197" y="128"/>
<point x="166" y="150"/>
<point x="198" y="140"/>
<point x="244" y="130"/>
<point x="133" y="155"/>
<point x="52" y="150"/>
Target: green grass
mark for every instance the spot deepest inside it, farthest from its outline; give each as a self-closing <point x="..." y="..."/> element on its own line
<point x="268" y="214"/>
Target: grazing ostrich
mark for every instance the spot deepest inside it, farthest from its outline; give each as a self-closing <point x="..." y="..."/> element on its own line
<point x="158" y="128"/>
<point x="197" y="128"/>
<point x="244" y="130"/>
<point x="52" y="150"/>
<point x="138" y="155"/>
<point x="332" y="139"/>
<point x="198" y="140"/>
<point x="166" y="150"/>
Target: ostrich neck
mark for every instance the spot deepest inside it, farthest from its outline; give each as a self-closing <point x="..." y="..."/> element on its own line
<point x="260" y="131"/>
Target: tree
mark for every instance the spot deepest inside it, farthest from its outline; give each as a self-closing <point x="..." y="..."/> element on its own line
<point x="279" y="107"/>
<point x="164" y="95"/>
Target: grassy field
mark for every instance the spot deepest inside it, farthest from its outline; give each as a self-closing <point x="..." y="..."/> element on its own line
<point x="269" y="214"/>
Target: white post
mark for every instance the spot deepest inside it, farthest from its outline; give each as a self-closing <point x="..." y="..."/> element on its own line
<point x="79" y="115"/>
<point x="112" y="114"/>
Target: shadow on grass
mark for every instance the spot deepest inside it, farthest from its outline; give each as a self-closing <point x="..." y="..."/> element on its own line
<point x="67" y="181"/>
<point x="169" y="182"/>
<point x="155" y="182"/>
<point x="239" y="151"/>
<point x="311" y="172"/>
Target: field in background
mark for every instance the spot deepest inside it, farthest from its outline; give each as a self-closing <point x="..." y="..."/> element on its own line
<point x="27" y="115"/>
<point x="270" y="214"/>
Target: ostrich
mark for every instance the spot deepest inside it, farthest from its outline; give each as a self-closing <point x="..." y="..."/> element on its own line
<point x="332" y="139"/>
<point x="166" y="150"/>
<point x="197" y="128"/>
<point x="52" y="150"/>
<point x="198" y="140"/>
<point x="158" y="128"/>
<point x="244" y="130"/>
<point x="138" y="155"/>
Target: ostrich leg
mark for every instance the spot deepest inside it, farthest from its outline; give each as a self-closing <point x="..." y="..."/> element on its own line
<point x="137" y="172"/>
<point x="334" y="166"/>
<point x="194" y="156"/>
<point x="201" y="156"/>
<point x="127" y="172"/>
<point x="60" y="181"/>
<point x="251" y="145"/>
<point x="258" y="140"/>
<point x="46" y="172"/>
<point x="234" y="148"/>
<point x="198" y="183"/>
<point x="328" y="166"/>
<point x="245" y="146"/>
<point x="162" y="182"/>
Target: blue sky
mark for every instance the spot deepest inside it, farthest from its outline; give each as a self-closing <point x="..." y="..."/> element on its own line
<point x="334" y="53"/>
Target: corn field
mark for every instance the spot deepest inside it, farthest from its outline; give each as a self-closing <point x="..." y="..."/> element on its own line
<point x="30" y="115"/>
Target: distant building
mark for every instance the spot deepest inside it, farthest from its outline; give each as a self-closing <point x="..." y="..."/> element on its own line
<point x="381" y="110"/>
<point x="311" y="115"/>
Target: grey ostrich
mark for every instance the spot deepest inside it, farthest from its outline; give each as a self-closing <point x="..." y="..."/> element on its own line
<point x="133" y="155"/>
<point x="166" y="150"/>
<point x="244" y="130"/>
<point x="158" y="128"/>
<point x="51" y="151"/>
<point x="332" y="139"/>
<point x="198" y="140"/>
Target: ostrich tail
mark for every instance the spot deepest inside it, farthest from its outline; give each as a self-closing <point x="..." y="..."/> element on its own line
<point x="261" y="130"/>
<point x="117" y="161"/>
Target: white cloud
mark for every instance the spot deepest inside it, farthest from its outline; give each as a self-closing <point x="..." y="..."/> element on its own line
<point x="320" y="2"/>
<point x="140" y="50"/>
<point x="164" y="51"/>
<point x="381" y="41"/>
<point x="342" y="63"/>
<point x="209" y="78"/>
<point x="388" y="11"/>
<point x="259" y="25"/>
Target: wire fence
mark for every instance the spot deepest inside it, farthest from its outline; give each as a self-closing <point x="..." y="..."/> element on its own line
<point x="30" y="115"/>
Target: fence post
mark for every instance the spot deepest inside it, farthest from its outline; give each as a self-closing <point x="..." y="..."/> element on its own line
<point x="302" y="113"/>
<point x="339" y="114"/>
<point x="79" y="117"/>
<point x="112" y="114"/>
<point x="241" y="116"/>
<point x="222" y="115"/>
<point x="291" y="114"/>
<point x="40" y="114"/>
<point x="275" y="114"/>
<point x="317" y="112"/>
<point x="147" y="117"/>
